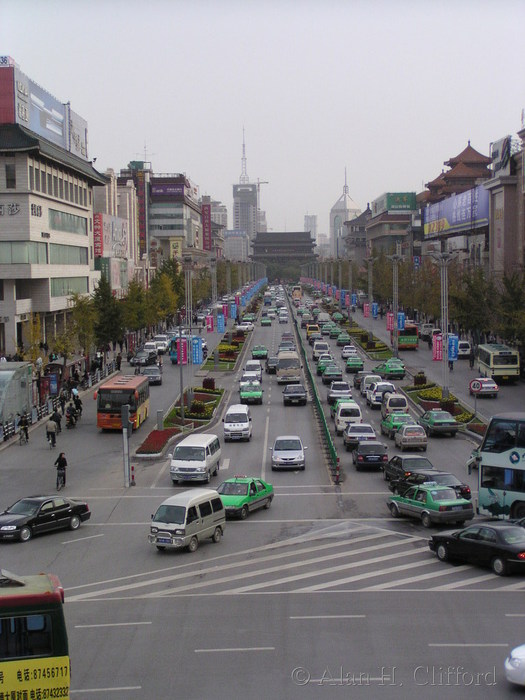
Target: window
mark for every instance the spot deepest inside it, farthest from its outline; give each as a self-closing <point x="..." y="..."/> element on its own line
<point x="64" y="286"/>
<point x="205" y="509"/>
<point x="217" y="505"/>
<point x="26" y="635"/>
<point x="49" y="183"/>
<point x="31" y="182"/>
<point x="67" y="255"/>
<point x="10" y="176"/>
<point x="55" y="186"/>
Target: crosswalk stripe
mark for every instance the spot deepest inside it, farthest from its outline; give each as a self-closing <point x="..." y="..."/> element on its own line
<point x="421" y="577"/>
<point x="459" y="584"/>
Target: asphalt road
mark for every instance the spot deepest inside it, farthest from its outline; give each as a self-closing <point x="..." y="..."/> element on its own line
<point x="324" y="595"/>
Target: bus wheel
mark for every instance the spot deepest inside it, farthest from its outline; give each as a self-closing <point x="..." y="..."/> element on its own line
<point x="518" y="511"/>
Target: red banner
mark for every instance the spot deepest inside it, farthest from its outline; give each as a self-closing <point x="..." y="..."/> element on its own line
<point x="206" y="226"/>
<point x="390" y="321"/>
<point x="347" y="299"/>
<point x="225" y="310"/>
<point x="182" y="353"/>
<point x="437" y="348"/>
<point x="366" y="310"/>
<point x="209" y="324"/>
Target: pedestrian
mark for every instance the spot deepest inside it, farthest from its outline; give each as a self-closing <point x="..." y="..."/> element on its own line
<point x="119" y="361"/>
<point x="58" y="420"/>
<point x="51" y="432"/>
<point x="451" y="365"/>
<point x="62" y="401"/>
<point x="23" y="424"/>
<point x="471" y="358"/>
<point x="61" y="464"/>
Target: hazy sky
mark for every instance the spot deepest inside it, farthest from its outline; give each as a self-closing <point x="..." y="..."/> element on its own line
<point x="388" y="89"/>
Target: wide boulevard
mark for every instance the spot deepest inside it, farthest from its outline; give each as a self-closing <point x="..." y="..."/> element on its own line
<point x="322" y="596"/>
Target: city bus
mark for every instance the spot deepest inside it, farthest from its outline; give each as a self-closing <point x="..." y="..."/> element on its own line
<point x="408" y="338"/>
<point x="34" y="655"/>
<point x="499" y="362"/>
<point x="501" y="463"/>
<point x="117" y="392"/>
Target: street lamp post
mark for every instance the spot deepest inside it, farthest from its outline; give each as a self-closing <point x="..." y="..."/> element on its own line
<point x="443" y="260"/>
<point x="396" y="258"/>
<point x="371" y="262"/>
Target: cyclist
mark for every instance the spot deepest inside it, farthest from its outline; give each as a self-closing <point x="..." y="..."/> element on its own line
<point x="23" y="424"/>
<point x="51" y="432"/>
<point x="78" y="404"/>
<point x="61" y="464"/>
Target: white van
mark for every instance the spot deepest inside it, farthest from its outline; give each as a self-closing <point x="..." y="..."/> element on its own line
<point x="288" y="367"/>
<point x="367" y="381"/>
<point x="394" y="403"/>
<point x="196" y="458"/>
<point x="347" y="412"/>
<point x="186" y="518"/>
<point x="255" y="366"/>
<point x="237" y="423"/>
<point x="320" y="347"/>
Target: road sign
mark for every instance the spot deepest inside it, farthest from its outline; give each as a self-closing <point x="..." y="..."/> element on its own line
<point x="475" y="386"/>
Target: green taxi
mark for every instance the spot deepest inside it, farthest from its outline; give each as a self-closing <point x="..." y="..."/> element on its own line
<point x="438" y="422"/>
<point x="391" y="369"/>
<point x="354" y="364"/>
<point x="252" y="392"/>
<point x="337" y="316"/>
<point x="259" y="352"/>
<point x="343" y="339"/>
<point x="266" y="321"/>
<point x="335" y="332"/>
<point x="393" y="421"/>
<point x="432" y="504"/>
<point x="315" y="311"/>
<point x="249" y="317"/>
<point x="243" y="494"/>
<point x="323" y="363"/>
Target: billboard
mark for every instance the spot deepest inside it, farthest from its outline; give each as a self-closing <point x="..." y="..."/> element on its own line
<point x="501" y="157"/>
<point x="461" y="212"/>
<point x="110" y="236"/>
<point x="168" y="190"/>
<point x="206" y="226"/>
<point x="394" y="201"/>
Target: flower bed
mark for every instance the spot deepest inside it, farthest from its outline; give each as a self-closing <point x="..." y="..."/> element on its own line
<point x="157" y="440"/>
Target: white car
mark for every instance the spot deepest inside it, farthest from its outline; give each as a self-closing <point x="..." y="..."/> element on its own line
<point x="515" y="665"/>
<point x="245" y="326"/>
<point x="348" y="351"/>
<point x="487" y="387"/>
<point x="248" y="378"/>
<point x="376" y="391"/>
<point x="463" y="350"/>
<point x="408" y="436"/>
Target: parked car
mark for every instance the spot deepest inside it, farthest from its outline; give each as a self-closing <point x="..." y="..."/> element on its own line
<point x="369" y="453"/>
<point x="438" y="422"/>
<point x="354" y="433"/>
<point x="35" y="515"/>
<point x="288" y="453"/>
<point x="339" y="390"/>
<point x="153" y="374"/>
<point x="401" y="485"/>
<point x="432" y="504"/>
<point x="242" y="495"/>
<point x="294" y="394"/>
<point x="411" y="436"/>
<point x="499" y="545"/>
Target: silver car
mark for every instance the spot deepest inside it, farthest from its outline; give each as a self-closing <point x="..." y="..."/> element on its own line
<point x="288" y="453"/>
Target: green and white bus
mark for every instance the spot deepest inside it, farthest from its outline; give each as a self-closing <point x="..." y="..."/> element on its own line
<point x="501" y="463"/>
<point x="498" y="362"/>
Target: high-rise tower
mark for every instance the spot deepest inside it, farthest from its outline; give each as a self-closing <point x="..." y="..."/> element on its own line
<point x="245" y="200"/>
<point x="343" y="210"/>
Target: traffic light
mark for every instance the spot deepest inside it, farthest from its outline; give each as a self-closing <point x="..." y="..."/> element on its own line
<point x="126" y="423"/>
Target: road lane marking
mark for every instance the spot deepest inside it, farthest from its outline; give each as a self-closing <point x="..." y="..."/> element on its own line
<point x="467" y="645"/>
<point x="265" y="448"/>
<point x="458" y="584"/>
<point x="433" y="574"/>
<point x="81" y="539"/>
<point x="117" y="689"/>
<point x="225" y="464"/>
<point x="113" y="624"/>
<point x="326" y="617"/>
<point x="232" y="650"/>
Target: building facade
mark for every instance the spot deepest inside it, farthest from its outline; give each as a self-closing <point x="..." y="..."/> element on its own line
<point x="236" y="245"/>
<point x="343" y="210"/>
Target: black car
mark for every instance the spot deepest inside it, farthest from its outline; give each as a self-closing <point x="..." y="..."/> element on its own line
<point x="339" y="390"/>
<point x="400" y="486"/>
<point x="314" y="337"/>
<point x="332" y="374"/>
<point x="358" y="377"/>
<point x="271" y="364"/>
<point x="401" y="466"/>
<point x="371" y="453"/>
<point x="153" y="374"/>
<point x="143" y="358"/>
<point x="37" y="514"/>
<point x="294" y="393"/>
<point x="498" y="545"/>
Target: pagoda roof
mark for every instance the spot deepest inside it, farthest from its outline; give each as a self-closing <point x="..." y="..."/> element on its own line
<point x="463" y="170"/>
<point x="469" y="156"/>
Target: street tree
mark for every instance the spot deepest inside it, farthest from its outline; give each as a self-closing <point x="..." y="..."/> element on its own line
<point x="108" y="323"/>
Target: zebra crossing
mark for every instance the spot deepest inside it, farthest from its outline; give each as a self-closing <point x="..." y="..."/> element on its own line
<point x="326" y="557"/>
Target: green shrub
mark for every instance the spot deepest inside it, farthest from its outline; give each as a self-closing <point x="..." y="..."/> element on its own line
<point x="434" y="394"/>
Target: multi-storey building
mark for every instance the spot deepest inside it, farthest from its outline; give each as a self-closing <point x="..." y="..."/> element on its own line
<point x="343" y="210"/>
<point x="236" y="245"/>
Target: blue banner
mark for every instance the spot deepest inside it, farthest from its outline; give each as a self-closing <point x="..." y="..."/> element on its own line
<point x="196" y="350"/>
<point x="243" y="300"/>
<point x="453" y="347"/>
<point x="233" y="310"/>
<point x="220" y="323"/>
<point x="375" y="307"/>
<point x="401" y="321"/>
<point x="343" y="296"/>
<point x="354" y="299"/>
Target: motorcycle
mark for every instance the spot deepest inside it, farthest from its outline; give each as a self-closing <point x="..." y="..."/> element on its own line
<point x="71" y="420"/>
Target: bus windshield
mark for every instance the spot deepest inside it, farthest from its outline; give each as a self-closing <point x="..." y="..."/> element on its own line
<point x="111" y="400"/>
<point x="504" y="434"/>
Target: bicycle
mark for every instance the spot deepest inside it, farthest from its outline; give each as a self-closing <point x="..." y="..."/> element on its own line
<point x="22" y="438"/>
<point x="61" y="479"/>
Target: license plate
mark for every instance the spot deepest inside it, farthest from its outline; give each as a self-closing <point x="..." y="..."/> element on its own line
<point x="295" y="400"/>
<point x="457" y="507"/>
<point x="373" y="459"/>
<point x="164" y="540"/>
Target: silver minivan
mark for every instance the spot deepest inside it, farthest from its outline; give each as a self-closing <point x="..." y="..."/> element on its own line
<point x="196" y="458"/>
<point x="185" y="519"/>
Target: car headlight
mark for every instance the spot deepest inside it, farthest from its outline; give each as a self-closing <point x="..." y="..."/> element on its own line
<point x="154" y="530"/>
<point x="201" y="469"/>
<point x="8" y="528"/>
<point x="515" y="662"/>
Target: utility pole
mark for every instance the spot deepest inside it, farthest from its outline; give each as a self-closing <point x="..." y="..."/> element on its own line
<point x="396" y="258"/>
<point x="444" y="260"/>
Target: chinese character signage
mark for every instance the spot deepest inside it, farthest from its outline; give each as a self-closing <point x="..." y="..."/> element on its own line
<point x="220" y="323"/>
<point x="354" y="299"/>
<point x="401" y="321"/>
<point x="453" y="347"/>
<point x="437" y="348"/>
<point x="225" y="310"/>
<point x="390" y="321"/>
<point x="209" y="324"/>
<point x="182" y="351"/>
<point x="196" y="349"/>
<point x="366" y="310"/>
<point x="233" y="310"/>
<point x="374" y="309"/>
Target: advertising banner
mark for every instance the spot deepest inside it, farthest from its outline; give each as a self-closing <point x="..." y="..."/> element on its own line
<point x="366" y="310"/>
<point x="343" y="296"/>
<point x="182" y="351"/>
<point x="390" y="321"/>
<point x="243" y="300"/>
<point x="225" y="310"/>
<point x="437" y="348"/>
<point x="375" y="308"/>
<point x="209" y="324"/>
<point x="401" y="321"/>
<point x="337" y="294"/>
<point x="453" y="347"/>
<point x="354" y="299"/>
<point x="196" y="350"/>
<point x="347" y="301"/>
<point x="233" y="310"/>
<point x="461" y="212"/>
<point x="167" y="190"/>
<point x="220" y="323"/>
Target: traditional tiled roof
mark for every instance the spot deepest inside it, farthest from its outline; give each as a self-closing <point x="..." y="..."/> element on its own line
<point x="469" y="156"/>
<point x="17" y="139"/>
<point x="462" y="170"/>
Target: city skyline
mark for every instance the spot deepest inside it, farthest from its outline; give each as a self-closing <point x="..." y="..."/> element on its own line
<point x="388" y="91"/>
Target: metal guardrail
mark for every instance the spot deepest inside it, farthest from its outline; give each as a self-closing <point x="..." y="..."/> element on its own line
<point x="331" y="451"/>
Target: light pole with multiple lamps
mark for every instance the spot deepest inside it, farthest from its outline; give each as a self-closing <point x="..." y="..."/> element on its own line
<point x="396" y="258"/>
<point x="443" y="260"/>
